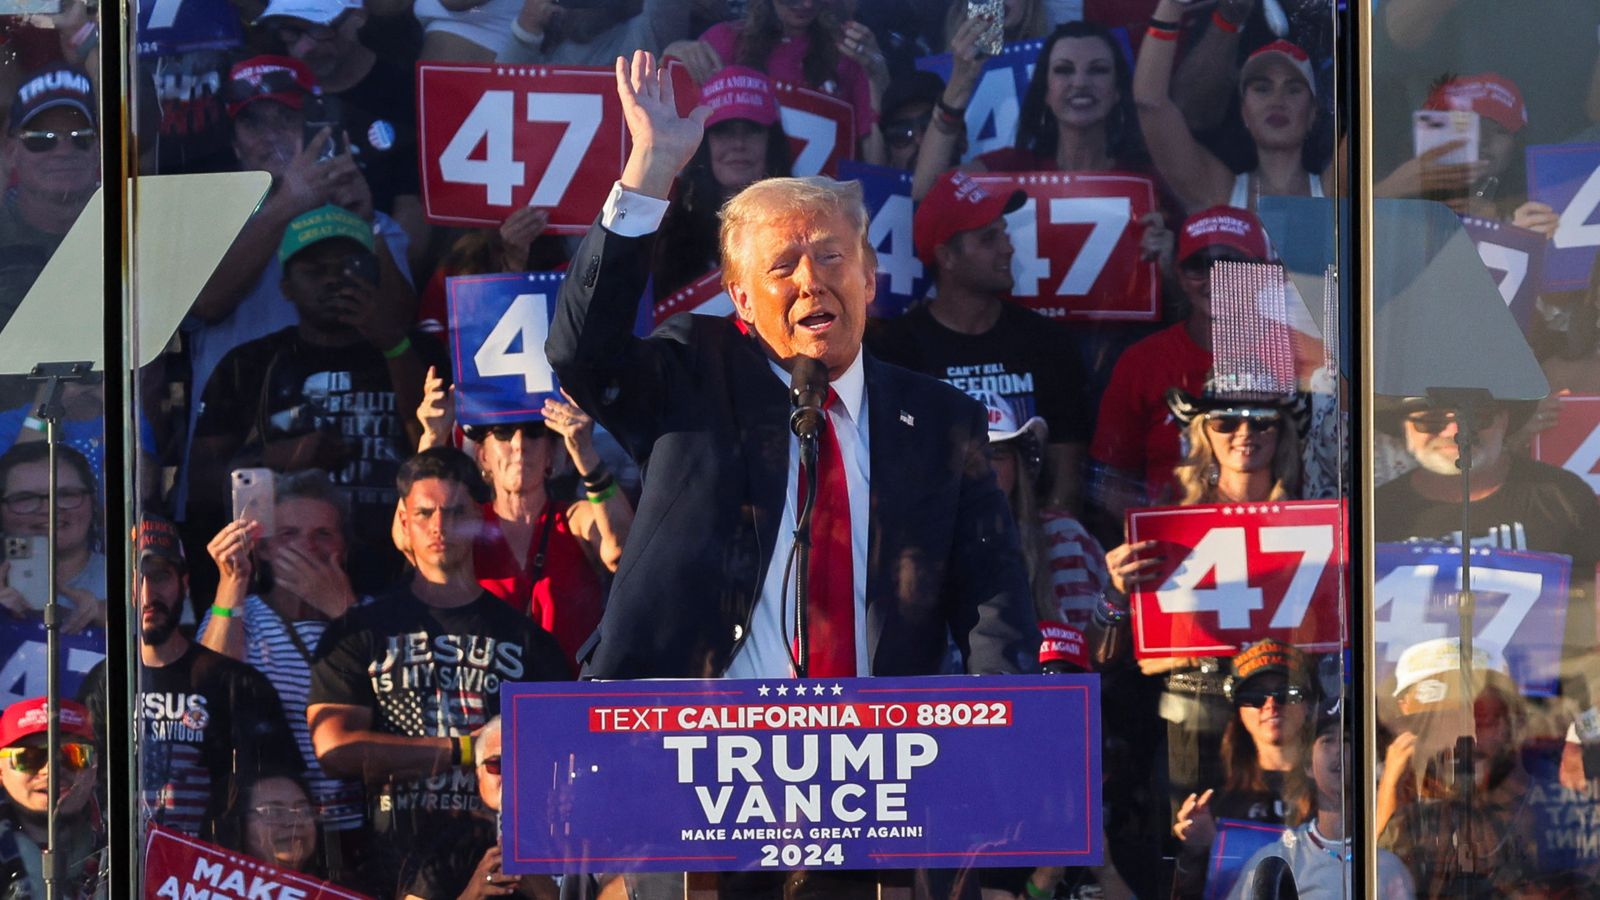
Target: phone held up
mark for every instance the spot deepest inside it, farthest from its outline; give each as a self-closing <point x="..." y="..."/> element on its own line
<point x="322" y="111"/>
<point x="253" y="497"/>
<point x="993" y="12"/>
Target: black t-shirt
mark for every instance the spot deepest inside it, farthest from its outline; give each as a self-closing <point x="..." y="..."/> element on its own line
<point x="281" y="386"/>
<point x="380" y="114"/>
<point x="1025" y="357"/>
<point x="199" y="720"/>
<point x="424" y="671"/>
<point x="1540" y="507"/>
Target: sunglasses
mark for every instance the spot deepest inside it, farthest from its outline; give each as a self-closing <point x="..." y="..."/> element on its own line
<point x="28" y="760"/>
<point x="491" y="765"/>
<point x="902" y="132"/>
<point x="1258" y="697"/>
<point x="281" y="814"/>
<point x="1433" y="421"/>
<point x="506" y="432"/>
<point x="1255" y="423"/>
<point x="45" y="141"/>
<point x="291" y="34"/>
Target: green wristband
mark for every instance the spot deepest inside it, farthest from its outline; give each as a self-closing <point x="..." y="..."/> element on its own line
<point x="398" y="350"/>
<point x="225" y="612"/>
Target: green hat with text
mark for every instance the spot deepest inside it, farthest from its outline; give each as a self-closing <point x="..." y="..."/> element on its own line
<point x="321" y="224"/>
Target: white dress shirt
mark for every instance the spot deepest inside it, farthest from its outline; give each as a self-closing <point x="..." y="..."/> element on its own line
<point x="765" y="651"/>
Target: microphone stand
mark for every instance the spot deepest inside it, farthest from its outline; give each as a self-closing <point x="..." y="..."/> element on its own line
<point x="802" y="555"/>
<point x="1463" y="401"/>
<point x="54" y="376"/>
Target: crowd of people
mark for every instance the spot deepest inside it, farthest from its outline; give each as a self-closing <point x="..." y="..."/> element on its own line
<point x="318" y="680"/>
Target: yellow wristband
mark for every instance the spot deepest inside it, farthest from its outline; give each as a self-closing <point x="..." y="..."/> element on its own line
<point x="464" y="750"/>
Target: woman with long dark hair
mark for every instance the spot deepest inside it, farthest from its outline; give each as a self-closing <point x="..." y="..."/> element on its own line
<point x="1077" y="114"/>
<point x="804" y="42"/>
<point x="744" y="142"/>
<point x="1278" y="105"/>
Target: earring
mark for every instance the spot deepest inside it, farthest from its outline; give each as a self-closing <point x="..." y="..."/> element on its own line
<point x="1213" y="475"/>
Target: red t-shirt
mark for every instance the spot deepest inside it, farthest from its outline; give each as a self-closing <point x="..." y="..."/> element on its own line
<point x="567" y="599"/>
<point x="1136" y="432"/>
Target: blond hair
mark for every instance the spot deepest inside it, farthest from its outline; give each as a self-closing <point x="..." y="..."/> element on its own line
<point x="771" y="198"/>
<point x="1194" y="474"/>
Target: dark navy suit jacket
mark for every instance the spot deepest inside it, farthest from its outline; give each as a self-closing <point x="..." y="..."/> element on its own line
<point x="699" y="407"/>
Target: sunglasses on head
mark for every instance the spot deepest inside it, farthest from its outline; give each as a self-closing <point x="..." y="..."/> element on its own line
<point x="1255" y="422"/>
<point x="28" y="760"/>
<point x="1255" y="698"/>
<point x="491" y="765"/>
<point x="45" y="141"/>
<point x="479" y="433"/>
<point x="902" y="132"/>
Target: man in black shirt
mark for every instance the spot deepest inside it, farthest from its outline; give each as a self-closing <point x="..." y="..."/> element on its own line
<point x="1517" y="504"/>
<point x="375" y="99"/>
<point x="971" y="337"/>
<point x="202" y="717"/>
<point x="333" y="392"/>
<point x="401" y="687"/>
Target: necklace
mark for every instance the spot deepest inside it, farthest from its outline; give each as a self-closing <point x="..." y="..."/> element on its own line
<point x="1323" y="844"/>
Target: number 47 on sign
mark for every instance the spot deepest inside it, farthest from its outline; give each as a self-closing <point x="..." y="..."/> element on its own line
<point x="1237" y="573"/>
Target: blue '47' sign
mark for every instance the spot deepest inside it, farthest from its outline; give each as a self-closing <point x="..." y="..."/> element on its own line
<point x="498" y="326"/>
<point x="887" y="193"/>
<point x="1521" y="606"/>
<point x="779" y="774"/>
<point x="1567" y="177"/>
<point x="996" y="102"/>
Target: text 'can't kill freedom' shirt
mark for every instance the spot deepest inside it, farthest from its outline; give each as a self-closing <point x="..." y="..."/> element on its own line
<point x="426" y="671"/>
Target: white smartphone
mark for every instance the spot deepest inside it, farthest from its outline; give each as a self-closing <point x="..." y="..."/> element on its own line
<point x="1431" y="128"/>
<point x="253" y="496"/>
<point x="29" y="574"/>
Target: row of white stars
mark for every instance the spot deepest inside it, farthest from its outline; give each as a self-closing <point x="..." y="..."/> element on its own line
<point x="817" y="690"/>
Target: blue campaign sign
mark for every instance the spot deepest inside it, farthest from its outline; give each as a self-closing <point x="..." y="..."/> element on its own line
<point x="850" y="773"/>
<point x="170" y="27"/>
<point x="498" y="325"/>
<point x="1521" y="606"/>
<point x="1567" y="177"/>
<point x="1237" y="840"/>
<point x="22" y="659"/>
<point x="1515" y="257"/>
<point x="996" y="102"/>
<point x="887" y="192"/>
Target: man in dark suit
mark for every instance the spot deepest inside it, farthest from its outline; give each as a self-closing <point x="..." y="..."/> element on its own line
<point x="916" y="537"/>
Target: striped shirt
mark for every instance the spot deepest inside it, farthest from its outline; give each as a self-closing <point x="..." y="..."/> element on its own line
<point x="270" y="649"/>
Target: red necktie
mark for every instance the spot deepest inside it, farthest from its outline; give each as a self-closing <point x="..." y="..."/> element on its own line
<point x="831" y="606"/>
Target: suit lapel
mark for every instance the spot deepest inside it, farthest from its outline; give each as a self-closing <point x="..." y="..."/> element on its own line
<point x="761" y="415"/>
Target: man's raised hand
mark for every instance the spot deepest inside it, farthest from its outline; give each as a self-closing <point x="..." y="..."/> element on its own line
<point x="663" y="141"/>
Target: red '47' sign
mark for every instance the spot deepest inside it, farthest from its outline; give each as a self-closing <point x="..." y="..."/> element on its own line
<point x="1236" y="573"/>
<point x="1077" y="244"/>
<point x="494" y="138"/>
<point x="1573" y="443"/>
<point x="821" y="129"/>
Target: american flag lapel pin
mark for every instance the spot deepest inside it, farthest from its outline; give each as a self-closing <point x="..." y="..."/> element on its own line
<point x="907" y="418"/>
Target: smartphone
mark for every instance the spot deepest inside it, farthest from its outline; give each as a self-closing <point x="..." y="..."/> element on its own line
<point x="322" y="111"/>
<point x="994" y="11"/>
<point x="1431" y="128"/>
<point x="29" y="575"/>
<point x="253" y="496"/>
<point x="362" y="267"/>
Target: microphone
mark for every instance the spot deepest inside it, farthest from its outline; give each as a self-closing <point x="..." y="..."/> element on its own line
<point x="808" y="387"/>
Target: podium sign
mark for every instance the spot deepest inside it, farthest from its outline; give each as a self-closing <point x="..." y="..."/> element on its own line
<point x="779" y="774"/>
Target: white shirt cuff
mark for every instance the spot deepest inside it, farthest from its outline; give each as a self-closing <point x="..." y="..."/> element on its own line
<point x="628" y="214"/>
